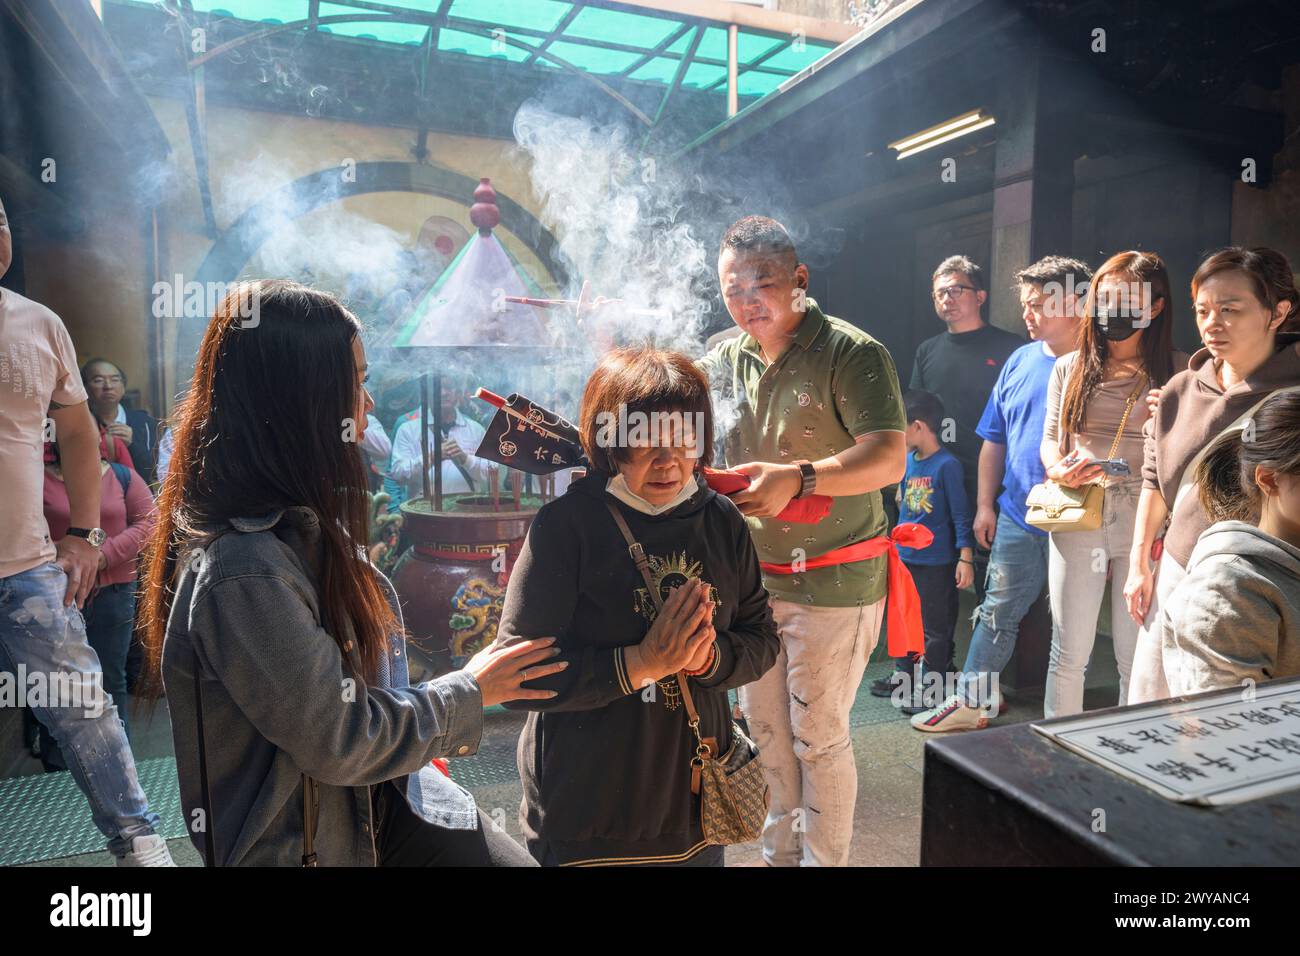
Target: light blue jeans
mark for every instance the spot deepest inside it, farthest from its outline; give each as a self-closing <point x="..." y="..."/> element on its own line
<point x="1017" y="573"/>
<point x="48" y="642"/>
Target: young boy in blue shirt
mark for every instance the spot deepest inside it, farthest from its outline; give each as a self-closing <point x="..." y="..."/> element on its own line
<point x="933" y="494"/>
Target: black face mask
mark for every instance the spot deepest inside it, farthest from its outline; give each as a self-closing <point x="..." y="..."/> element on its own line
<point x="1118" y="322"/>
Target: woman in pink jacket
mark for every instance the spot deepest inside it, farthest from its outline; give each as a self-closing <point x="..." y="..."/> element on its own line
<point x="127" y="515"/>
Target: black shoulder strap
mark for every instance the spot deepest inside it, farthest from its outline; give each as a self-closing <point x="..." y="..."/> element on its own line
<point x="209" y="825"/>
<point x="642" y="563"/>
<point x="310" y="814"/>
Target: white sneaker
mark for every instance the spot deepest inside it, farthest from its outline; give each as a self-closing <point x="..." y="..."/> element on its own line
<point x="952" y="714"/>
<point x="148" y="850"/>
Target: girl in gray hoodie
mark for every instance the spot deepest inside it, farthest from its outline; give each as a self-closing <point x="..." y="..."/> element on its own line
<point x="1236" y="616"/>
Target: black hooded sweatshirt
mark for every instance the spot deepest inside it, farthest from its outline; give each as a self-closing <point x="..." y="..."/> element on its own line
<point x="606" y="766"/>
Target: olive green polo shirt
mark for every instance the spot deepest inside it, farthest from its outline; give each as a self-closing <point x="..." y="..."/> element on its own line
<point x="833" y="385"/>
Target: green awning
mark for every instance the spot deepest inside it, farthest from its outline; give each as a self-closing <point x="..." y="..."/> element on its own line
<point x="645" y="46"/>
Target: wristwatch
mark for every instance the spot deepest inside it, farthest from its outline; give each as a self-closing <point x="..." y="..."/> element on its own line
<point x="808" y="476"/>
<point x="94" y="536"/>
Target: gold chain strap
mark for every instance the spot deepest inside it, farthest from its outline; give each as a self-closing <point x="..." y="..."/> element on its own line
<point x="1128" y="407"/>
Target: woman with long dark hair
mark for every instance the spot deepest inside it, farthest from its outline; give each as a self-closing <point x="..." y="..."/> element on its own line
<point x="1096" y="404"/>
<point x="280" y="646"/>
<point x="1245" y="302"/>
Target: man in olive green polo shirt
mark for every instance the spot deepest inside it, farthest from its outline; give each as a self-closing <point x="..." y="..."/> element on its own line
<point x="815" y="407"/>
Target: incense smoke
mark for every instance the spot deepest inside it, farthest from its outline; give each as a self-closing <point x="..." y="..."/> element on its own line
<point x="622" y="224"/>
<point x="349" y="254"/>
<point x="633" y="226"/>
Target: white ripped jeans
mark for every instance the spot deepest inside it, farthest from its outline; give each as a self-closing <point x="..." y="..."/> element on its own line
<point x="798" y="713"/>
<point x="1077" y="563"/>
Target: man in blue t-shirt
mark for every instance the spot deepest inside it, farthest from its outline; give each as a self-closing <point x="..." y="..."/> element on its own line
<point x="1052" y="294"/>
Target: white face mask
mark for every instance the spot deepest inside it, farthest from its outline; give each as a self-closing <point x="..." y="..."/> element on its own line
<point x="617" y="487"/>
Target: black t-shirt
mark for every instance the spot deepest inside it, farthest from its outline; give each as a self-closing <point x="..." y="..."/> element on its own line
<point x="962" y="369"/>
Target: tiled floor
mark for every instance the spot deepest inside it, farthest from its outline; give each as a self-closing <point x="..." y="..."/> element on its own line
<point x="888" y="754"/>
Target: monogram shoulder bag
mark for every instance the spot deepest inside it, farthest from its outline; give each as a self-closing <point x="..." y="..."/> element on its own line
<point x="1051" y="506"/>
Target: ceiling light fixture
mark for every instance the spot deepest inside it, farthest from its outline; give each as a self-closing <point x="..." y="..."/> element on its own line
<point x="942" y="133"/>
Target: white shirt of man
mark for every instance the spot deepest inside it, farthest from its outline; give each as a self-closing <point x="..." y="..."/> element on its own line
<point x="406" y="461"/>
<point x="375" y="442"/>
<point x="38" y="365"/>
<point x="165" y="446"/>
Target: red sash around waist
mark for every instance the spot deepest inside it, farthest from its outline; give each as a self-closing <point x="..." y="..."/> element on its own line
<point x="903" y="605"/>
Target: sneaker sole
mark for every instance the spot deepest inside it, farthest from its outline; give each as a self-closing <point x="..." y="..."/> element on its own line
<point x="979" y="725"/>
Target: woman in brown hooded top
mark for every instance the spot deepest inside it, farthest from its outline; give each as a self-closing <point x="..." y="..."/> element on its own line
<point x="1246" y="312"/>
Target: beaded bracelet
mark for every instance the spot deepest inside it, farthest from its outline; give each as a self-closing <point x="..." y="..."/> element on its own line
<point x="713" y="651"/>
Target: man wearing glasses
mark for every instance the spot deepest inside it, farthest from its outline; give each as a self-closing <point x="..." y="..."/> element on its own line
<point x="1051" y="298"/>
<point x="106" y="387"/>
<point x="960" y="365"/>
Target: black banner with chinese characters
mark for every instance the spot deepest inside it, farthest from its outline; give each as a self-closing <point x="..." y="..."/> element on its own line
<point x="526" y="436"/>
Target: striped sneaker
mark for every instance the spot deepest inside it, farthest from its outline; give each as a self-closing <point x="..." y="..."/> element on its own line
<point x="951" y="715"/>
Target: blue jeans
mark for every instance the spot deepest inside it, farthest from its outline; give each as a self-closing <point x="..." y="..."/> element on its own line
<point x="1017" y="573"/>
<point x="110" y="622"/>
<point x="48" y="641"/>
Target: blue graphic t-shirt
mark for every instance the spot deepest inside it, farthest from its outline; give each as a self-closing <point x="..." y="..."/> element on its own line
<point x="934" y="495"/>
<point x="1014" y="417"/>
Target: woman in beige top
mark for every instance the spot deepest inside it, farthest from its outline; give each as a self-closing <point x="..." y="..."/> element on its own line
<point x="1124" y="351"/>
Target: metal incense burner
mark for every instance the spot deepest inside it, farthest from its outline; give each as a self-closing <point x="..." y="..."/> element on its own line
<point x="451" y="580"/>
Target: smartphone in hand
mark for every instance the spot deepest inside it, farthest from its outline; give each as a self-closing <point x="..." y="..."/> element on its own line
<point x="1115" y="467"/>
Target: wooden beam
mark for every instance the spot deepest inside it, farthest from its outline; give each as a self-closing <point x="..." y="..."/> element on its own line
<point x="196" y="119"/>
<point x="755" y="63"/>
<point x="745" y="16"/>
<point x="733" y="58"/>
<point x="902" y="28"/>
<point x="95" y="75"/>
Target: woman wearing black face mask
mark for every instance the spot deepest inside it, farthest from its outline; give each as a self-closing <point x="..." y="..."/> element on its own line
<point x="1096" y="410"/>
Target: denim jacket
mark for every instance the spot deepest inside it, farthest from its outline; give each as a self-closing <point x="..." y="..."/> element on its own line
<point x="279" y="701"/>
